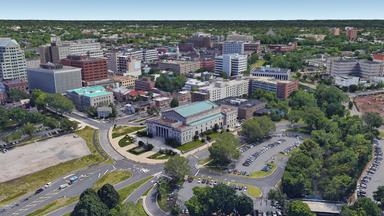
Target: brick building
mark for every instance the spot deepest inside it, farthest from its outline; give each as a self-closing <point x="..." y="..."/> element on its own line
<point x="92" y="69"/>
<point x="144" y="84"/>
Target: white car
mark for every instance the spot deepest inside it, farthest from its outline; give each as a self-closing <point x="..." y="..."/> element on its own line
<point x="63" y="186"/>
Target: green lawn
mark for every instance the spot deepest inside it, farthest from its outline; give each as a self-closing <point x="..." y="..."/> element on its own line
<point x="59" y="203"/>
<point x="126" y="191"/>
<point x="112" y="178"/>
<point x="123" y="130"/>
<point x="159" y="156"/>
<point x="190" y="146"/>
<point x="137" y="150"/>
<point x="136" y="210"/>
<point x="259" y="63"/>
<point x="253" y="191"/>
<point x="127" y="140"/>
<point x="204" y="161"/>
<point x="15" y="188"/>
<point x="262" y="174"/>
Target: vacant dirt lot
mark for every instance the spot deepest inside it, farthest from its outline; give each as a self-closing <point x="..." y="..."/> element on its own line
<point x="37" y="156"/>
<point x="371" y="103"/>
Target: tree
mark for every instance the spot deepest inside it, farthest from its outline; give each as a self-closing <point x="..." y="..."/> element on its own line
<point x="16" y="95"/>
<point x="300" y="99"/>
<point x="298" y="208"/>
<point x="244" y="205"/>
<point x="90" y="205"/>
<point x="378" y="195"/>
<point x="224" y="150"/>
<point x="257" y="128"/>
<point x="177" y="168"/>
<point x="59" y="103"/>
<point x="174" y="103"/>
<point x="29" y="129"/>
<point x="68" y="125"/>
<point x="363" y="206"/>
<point x="109" y="196"/>
<point x="220" y="200"/>
<point x="294" y="116"/>
<point x="372" y="120"/>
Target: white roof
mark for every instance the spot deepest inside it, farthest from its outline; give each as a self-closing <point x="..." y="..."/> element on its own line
<point x="8" y="42"/>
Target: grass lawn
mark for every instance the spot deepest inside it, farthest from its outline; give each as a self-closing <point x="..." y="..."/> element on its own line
<point x="159" y="156"/>
<point x="259" y="63"/>
<point x="381" y="133"/>
<point x="262" y="174"/>
<point x="253" y="191"/>
<point x="204" y="161"/>
<point x="15" y="188"/>
<point x="190" y="146"/>
<point x="59" y="203"/>
<point x="122" y="130"/>
<point x="112" y="178"/>
<point x="137" y="150"/>
<point x="136" y="210"/>
<point x="126" y="191"/>
<point x="127" y="140"/>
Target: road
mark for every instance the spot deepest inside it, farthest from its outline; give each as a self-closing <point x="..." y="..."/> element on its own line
<point x="31" y="202"/>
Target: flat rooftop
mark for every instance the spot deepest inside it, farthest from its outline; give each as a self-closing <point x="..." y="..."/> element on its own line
<point x="194" y="108"/>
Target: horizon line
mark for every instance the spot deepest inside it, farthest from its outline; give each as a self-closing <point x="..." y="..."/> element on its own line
<point x="196" y="20"/>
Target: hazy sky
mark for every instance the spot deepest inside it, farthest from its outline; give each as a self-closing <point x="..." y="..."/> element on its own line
<point x="191" y="9"/>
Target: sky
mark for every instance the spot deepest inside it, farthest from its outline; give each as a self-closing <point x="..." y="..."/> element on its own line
<point x="191" y="9"/>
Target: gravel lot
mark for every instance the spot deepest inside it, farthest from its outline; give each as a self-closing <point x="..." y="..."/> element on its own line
<point x="37" y="156"/>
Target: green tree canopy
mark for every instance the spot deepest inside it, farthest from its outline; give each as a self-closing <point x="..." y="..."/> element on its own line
<point x="109" y="196"/>
<point x="224" y="150"/>
<point x="258" y="128"/>
<point x="221" y="199"/>
<point x="177" y="167"/>
<point x="298" y="208"/>
<point x="90" y="205"/>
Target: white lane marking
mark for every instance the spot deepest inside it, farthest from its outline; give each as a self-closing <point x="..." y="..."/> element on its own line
<point x="105" y="172"/>
<point x="99" y="175"/>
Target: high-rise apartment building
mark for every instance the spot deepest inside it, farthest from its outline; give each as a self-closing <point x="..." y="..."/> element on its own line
<point x="233" y="47"/>
<point x="54" y="78"/>
<point x="92" y="69"/>
<point x="12" y="60"/>
<point x="230" y="64"/>
<point x="58" y="49"/>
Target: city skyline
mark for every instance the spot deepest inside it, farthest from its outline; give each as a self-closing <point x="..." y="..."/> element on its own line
<point x="199" y="10"/>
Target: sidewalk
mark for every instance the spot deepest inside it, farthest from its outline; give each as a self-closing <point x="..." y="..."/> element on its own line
<point x="142" y="158"/>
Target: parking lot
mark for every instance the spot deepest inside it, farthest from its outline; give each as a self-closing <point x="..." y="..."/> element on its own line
<point x="31" y="158"/>
<point x="255" y="156"/>
<point x="374" y="176"/>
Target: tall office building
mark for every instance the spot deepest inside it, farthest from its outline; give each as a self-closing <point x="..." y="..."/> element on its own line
<point x="230" y="64"/>
<point x="239" y="37"/>
<point x="233" y="47"/>
<point x="12" y="60"/>
<point x="351" y="33"/>
<point x="58" y="49"/>
<point x="92" y="69"/>
<point x="54" y="78"/>
<point x="277" y="73"/>
<point x="224" y="89"/>
<point x="150" y="55"/>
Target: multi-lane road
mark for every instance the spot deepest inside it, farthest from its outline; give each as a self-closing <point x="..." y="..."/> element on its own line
<point x="88" y="176"/>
